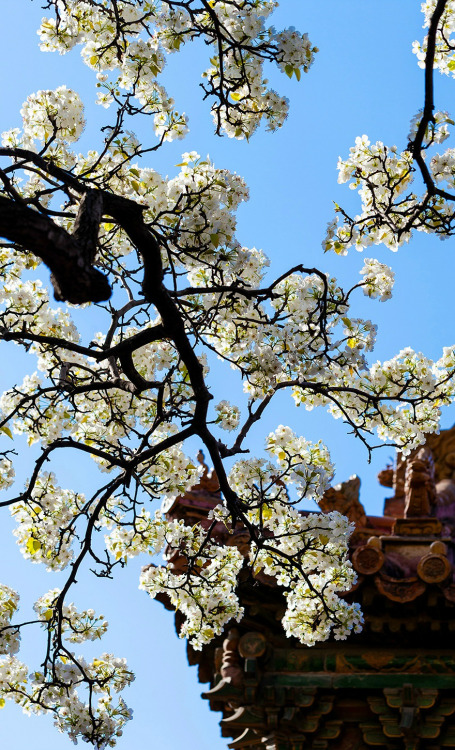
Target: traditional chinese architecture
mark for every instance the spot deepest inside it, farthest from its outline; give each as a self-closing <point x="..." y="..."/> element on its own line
<point x="392" y="687"/>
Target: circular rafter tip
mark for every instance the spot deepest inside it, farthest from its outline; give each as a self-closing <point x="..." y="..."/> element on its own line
<point x="369" y="558"/>
<point x="434" y="567"/>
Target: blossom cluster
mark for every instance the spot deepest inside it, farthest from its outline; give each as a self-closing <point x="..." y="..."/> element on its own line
<point x="38" y="693"/>
<point x="80" y="626"/>
<point x="54" y="690"/>
<point x="437" y="130"/>
<point x="306" y="554"/>
<point x="302" y="545"/>
<point x="228" y="415"/>
<point x="390" y="210"/>
<point x="295" y="52"/>
<point x="443" y="167"/>
<point x="113" y="45"/>
<point x="382" y="175"/>
<point x="444" y="59"/>
<point x="56" y="113"/>
<point x="9" y="635"/>
<point x="46" y="523"/>
<point x="7" y="472"/>
<point x="205" y="593"/>
<point x="378" y="279"/>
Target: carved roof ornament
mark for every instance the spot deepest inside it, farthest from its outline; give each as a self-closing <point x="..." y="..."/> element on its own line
<point x="412" y="546"/>
<point x="400" y="477"/>
<point x="344" y="497"/>
<point x="420" y="496"/>
<point x="420" y="485"/>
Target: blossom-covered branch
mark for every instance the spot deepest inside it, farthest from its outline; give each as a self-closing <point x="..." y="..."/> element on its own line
<point x="390" y="209"/>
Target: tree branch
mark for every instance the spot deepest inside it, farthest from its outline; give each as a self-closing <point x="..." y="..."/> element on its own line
<point x="73" y="278"/>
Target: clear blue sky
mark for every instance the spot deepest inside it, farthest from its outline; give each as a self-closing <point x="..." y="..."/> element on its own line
<point x="364" y="80"/>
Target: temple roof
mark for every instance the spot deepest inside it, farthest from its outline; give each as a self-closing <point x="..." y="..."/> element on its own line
<point x="393" y="685"/>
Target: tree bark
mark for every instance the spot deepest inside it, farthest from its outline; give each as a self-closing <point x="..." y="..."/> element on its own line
<point x="73" y="277"/>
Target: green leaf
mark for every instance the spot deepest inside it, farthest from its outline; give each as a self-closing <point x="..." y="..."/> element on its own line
<point x="235" y="96"/>
<point x="298" y="74"/>
<point x="289" y="70"/>
<point x="7" y="431"/>
<point x="33" y="546"/>
<point x="215" y="240"/>
<point x="10" y="606"/>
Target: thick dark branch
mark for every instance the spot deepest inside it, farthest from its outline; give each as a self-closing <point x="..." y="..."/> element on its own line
<point x="253" y="416"/>
<point x="86" y="226"/>
<point x="44" y="457"/>
<point x="427" y="115"/>
<point x="74" y="280"/>
<point x="111" y="203"/>
<point x="133" y="343"/>
<point x="249" y="292"/>
<point x="140" y="383"/>
<point x="128" y="345"/>
<point x="429" y="89"/>
<point x="129" y="216"/>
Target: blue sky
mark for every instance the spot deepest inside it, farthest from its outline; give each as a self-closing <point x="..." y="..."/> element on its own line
<point x="365" y="80"/>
